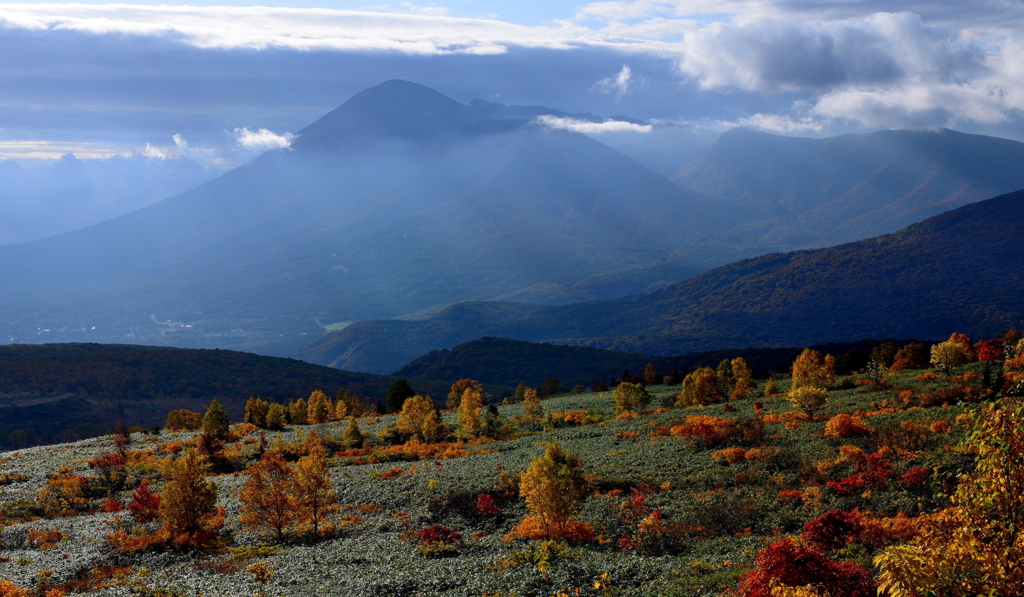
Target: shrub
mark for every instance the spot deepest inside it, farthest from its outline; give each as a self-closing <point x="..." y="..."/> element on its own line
<point x="704" y="431"/>
<point x="631" y="397"/>
<point x="844" y="426"/>
<point x="808" y="398"/>
<point x="438" y="541"/>
<point x="145" y="505"/>
<point x="553" y="488"/>
<point x="833" y="530"/>
<point x="731" y="455"/>
<point x="792" y="564"/>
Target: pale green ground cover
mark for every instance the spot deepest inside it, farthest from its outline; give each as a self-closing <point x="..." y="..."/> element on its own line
<point x="372" y="559"/>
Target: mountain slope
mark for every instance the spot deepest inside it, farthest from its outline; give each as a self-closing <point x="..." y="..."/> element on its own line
<point x="817" y="192"/>
<point x="959" y="271"/>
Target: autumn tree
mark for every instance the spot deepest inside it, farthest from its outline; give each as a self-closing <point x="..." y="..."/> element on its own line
<point x="458" y="389"/>
<point x="145" y="505"/>
<point x="397" y="395"/>
<point x="353" y="436"/>
<point x="217" y="422"/>
<point x="277" y="416"/>
<point x="651" y="374"/>
<point x="319" y="409"/>
<point x="631" y="397"/>
<point x="771" y="387"/>
<point x="521" y="392"/>
<point x="184" y="420"/>
<point x="973" y="547"/>
<point x="550" y="387"/>
<point x="948" y="355"/>
<point x="532" y="410"/>
<point x="910" y="356"/>
<point x="808" y="398"/>
<point x="414" y="413"/>
<point x="553" y="487"/>
<point x="810" y="369"/>
<point x="298" y="412"/>
<point x="743" y="379"/>
<point x="469" y="419"/>
<point x="724" y="377"/>
<point x="884" y="353"/>
<point x="267" y="496"/>
<point x="256" y="412"/>
<point x="316" y="500"/>
<point x="188" y="505"/>
<point x="965" y="343"/>
<point x="699" y="388"/>
<point x="433" y="430"/>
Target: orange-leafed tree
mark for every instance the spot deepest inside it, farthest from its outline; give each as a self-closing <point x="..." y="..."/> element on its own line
<point x="315" y="498"/>
<point x="183" y="420"/>
<point x="910" y="356"/>
<point x="811" y="369"/>
<point x="433" y="430"/>
<point x="532" y="410"/>
<point x="256" y="412"/>
<point x="965" y="343"/>
<point x="298" y="412"/>
<point x="188" y="504"/>
<point x="267" y="496"/>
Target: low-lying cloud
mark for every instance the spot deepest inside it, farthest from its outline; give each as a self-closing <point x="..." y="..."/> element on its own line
<point x="589" y="128"/>
<point x="262" y="139"/>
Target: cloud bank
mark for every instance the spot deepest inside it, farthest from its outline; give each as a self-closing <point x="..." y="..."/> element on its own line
<point x="589" y="128"/>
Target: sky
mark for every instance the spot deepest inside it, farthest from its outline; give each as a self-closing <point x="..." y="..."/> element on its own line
<point x="222" y="81"/>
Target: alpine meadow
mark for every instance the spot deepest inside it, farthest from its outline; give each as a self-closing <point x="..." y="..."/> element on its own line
<point x="512" y="299"/>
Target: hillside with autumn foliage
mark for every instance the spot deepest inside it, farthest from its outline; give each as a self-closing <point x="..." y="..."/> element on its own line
<point x="810" y="483"/>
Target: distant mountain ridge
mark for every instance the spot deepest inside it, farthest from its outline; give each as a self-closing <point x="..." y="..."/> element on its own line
<point x="959" y="271"/>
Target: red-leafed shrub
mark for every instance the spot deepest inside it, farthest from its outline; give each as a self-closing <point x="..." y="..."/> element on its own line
<point x="848" y="485"/>
<point x="833" y="529"/>
<point x="145" y="505"/>
<point x="438" y="534"/>
<point x="916" y="477"/>
<point x="485" y="503"/>
<point x="875" y="470"/>
<point x="112" y="505"/>
<point x="798" y="565"/>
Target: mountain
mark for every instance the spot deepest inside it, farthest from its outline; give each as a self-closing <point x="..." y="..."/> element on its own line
<point x="958" y="271"/>
<point x="52" y="387"/>
<point x="399" y="200"/>
<point x="796" y="192"/>
<point x="506" y="363"/>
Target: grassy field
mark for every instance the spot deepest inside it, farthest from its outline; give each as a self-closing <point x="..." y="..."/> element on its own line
<point x="720" y="514"/>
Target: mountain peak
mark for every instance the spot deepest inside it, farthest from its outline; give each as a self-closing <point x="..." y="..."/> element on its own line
<point x="394" y="108"/>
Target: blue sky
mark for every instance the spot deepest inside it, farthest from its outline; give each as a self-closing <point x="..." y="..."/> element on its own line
<point x="221" y="81"/>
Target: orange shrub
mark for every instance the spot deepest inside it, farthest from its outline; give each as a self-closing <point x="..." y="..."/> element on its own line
<point x="627" y="435"/>
<point x="573" y="417"/>
<point x="926" y="376"/>
<point x="626" y="415"/>
<point x="878" y="532"/>
<point x="43" y="540"/>
<point x="939" y="426"/>
<point x="762" y="453"/>
<point x="790" y="495"/>
<point x="704" y="430"/>
<point x="731" y="455"/>
<point x="9" y="589"/>
<point x="571" y="530"/>
<point x="660" y="410"/>
<point x="851" y="454"/>
<point x="844" y="426"/>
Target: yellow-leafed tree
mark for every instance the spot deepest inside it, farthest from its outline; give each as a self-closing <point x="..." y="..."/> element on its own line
<point x="811" y="369"/>
<point x="699" y="388"/>
<point x="975" y="547"/>
<point x="319" y="408"/>
<point x="414" y="412"/>
<point x="553" y="487"/>
<point x="743" y="378"/>
<point x="298" y="412"/>
<point x="469" y="417"/>
<point x="532" y="410"/>
<point x="459" y="389"/>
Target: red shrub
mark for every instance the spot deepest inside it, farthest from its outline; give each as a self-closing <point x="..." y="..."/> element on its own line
<point x="485" y="503"/>
<point x="797" y="565"/>
<point x="145" y="504"/>
<point x="438" y="534"/>
<point x="833" y="529"/>
<point x="916" y="477"/>
<point x="112" y="505"/>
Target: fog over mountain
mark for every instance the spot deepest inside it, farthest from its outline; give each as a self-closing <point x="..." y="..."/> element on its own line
<point x="402" y="201"/>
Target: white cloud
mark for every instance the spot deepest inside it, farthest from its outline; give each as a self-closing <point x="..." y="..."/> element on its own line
<point x="180" y="143"/>
<point x="262" y="139"/>
<point x="778" y="123"/>
<point x="589" y="128"/>
<point x="621" y="84"/>
<point x="52" y="150"/>
<point x="154" y="153"/>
